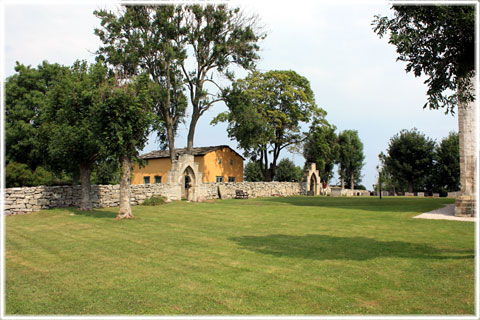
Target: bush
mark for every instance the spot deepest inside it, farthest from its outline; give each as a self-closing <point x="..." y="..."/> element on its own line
<point x="154" y="201"/>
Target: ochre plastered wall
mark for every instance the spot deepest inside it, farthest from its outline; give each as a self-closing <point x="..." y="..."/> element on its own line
<point x="155" y="167"/>
<point x="208" y="165"/>
<point x="211" y="168"/>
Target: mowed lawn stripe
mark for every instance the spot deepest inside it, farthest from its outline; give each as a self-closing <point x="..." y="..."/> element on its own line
<point x="298" y="255"/>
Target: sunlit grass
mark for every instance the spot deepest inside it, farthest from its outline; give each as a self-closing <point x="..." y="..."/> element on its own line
<point x="299" y="255"/>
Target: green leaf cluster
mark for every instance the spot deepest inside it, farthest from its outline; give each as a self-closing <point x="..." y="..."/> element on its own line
<point x="265" y="111"/>
<point x="437" y="41"/>
<point x="350" y="157"/>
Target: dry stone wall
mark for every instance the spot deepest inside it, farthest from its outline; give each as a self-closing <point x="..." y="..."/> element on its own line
<point x="23" y="200"/>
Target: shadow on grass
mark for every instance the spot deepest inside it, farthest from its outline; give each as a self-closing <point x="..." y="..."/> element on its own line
<point x="325" y="247"/>
<point x="93" y="213"/>
<point x="393" y="204"/>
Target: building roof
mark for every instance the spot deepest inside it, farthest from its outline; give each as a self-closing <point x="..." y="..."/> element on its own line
<point x="199" y="151"/>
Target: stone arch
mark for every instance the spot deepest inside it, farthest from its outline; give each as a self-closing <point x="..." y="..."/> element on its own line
<point x="312" y="180"/>
<point x="188" y="182"/>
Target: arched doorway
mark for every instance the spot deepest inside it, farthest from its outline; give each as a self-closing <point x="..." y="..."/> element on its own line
<point x="188" y="184"/>
<point x="313" y="185"/>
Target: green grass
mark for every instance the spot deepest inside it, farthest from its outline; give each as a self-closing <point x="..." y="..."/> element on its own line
<point x="299" y="255"/>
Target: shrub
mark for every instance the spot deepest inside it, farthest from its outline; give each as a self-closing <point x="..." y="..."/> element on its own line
<point x="154" y="201"/>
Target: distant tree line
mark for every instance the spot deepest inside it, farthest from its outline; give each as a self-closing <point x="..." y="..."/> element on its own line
<point x="413" y="162"/>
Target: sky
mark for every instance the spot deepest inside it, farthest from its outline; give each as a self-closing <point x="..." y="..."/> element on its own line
<point x="353" y="73"/>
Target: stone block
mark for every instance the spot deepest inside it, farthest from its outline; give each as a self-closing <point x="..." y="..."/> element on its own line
<point x="420" y="194"/>
<point x="409" y="194"/>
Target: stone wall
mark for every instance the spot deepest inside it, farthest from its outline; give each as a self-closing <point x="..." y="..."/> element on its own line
<point x="23" y="200"/>
<point x="254" y="189"/>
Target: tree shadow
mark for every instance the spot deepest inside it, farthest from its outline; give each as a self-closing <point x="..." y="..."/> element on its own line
<point x="394" y="204"/>
<point x="102" y="214"/>
<point x="326" y="247"/>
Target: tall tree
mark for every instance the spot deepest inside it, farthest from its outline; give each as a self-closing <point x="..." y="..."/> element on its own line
<point x="71" y="119"/>
<point x="265" y="111"/>
<point x="25" y="102"/>
<point x="410" y="157"/>
<point x="350" y="157"/>
<point x="150" y="35"/>
<point x="126" y="117"/>
<point x="321" y="147"/>
<point x="219" y="37"/>
<point x="439" y="42"/>
<point x="126" y="110"/>
<point x="447" y="164"/>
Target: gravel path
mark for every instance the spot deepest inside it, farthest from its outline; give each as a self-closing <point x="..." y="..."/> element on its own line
<point x="445" y="213"/>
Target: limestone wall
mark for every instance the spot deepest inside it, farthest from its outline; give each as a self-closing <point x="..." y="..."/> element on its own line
<point x="254" y="189"/>
<point x="22" y="200"/>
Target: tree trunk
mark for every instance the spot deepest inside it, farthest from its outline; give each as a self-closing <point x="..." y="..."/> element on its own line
<point x="171" y="139"/>
<point x="352" y="185"/>
<point x="410" y="186"/>
<point x="125" y="210"/>
<point x="191" y="131"/>
<point x="86" y="202"/>
<point x="343" y="183"/>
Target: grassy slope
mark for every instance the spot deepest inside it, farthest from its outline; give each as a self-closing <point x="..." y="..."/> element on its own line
<point x="297" y="255"/>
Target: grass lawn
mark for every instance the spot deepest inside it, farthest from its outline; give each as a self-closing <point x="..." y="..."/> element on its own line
<point x="298" y="255"/>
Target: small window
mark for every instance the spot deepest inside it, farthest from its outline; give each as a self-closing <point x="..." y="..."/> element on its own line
<point x="146" y="180"/>
<point x="146" y="162"/>
<point x="219" y="179"/>
<point x="231" y="162"/>
<point x="219" y="160"/>
<point x="231" y="179"/>
<point x="158" y="179"/>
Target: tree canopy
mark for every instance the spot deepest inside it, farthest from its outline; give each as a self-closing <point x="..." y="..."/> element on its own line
<point x="287" y="171"/>
<point x="321" y="147"/>
<point x="146" y="39"/>
<point x="410" y="158"/>
<point x="447" y="164"/>
<point x="350" y="157"/>
<point x="439" y="42"/>
<point x="264" y="114"/>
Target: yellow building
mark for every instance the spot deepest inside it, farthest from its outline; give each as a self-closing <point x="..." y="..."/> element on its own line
<point x="217" y="164"/>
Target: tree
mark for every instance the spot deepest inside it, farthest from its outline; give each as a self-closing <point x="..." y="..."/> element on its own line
<point x="71" y="119"/>
<point x="447" y="164"/>
<point x="350" y="157"/>
<point x="321" y="147"/>
<point x="25" y="101"/>
<point x="265" y="111"/>
<point x="150" y="34"/>
<point x="126" y="116"/>
<point x="287" y="171"/>
<point x="252" y="172"/>
<point x="410" y="157"/>
<point x="439" y="42"/>
<point x="219" y="37"/>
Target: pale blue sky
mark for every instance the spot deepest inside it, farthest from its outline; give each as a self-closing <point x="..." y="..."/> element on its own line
<point x="352" y="72"/>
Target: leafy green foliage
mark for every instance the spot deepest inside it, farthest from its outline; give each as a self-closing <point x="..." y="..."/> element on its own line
<point x="145" y="38"/>
<point x="154" y="201"/>
<point x="252" y="172"/>
<point x="437" y="41"/>
<point x="321" y="147"/>
<point x="265" y="111"/>
<point x="25" y="102"/>
<point x="21" y="175"/>
<point x="410" y="157"/>
<point x="287" y="171"/>
<point x="71" y="117"/>
<point x="447" y="164"/>
<point x="350" y="157"/>
<point x="219" y="38"/>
